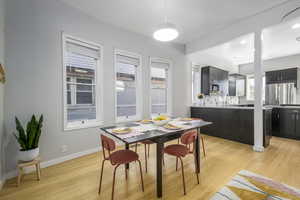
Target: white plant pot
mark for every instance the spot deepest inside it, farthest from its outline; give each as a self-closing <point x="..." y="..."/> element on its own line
<point x="29" y="155"/>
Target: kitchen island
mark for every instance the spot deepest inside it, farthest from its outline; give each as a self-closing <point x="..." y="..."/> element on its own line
<point x="233" y="122"/>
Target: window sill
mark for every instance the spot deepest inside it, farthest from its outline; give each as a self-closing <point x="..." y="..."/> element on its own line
<point x="83" y="126"/>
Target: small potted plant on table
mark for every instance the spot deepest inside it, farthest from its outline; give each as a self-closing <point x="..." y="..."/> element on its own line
<point x="29" y="140"/>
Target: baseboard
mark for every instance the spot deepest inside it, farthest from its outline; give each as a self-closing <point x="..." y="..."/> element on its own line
<point x="55" y="161"/>
<point x="258" y="148"/>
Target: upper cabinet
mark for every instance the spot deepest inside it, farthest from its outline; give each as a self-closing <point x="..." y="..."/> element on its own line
<point x="237" y="85"/>
<point x="214" y="80"/>
<point x="283" y="76"/>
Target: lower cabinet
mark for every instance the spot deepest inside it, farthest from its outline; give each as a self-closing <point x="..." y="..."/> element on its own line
<point x="267" y="126"/>
<point x="289" y="123"/>
<point x="232" y="124"/>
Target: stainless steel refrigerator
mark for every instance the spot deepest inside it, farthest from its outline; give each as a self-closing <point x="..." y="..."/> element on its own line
<point x="283" y="93"/>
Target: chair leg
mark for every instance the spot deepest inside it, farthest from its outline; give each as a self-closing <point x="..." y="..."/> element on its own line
<point x="183" y="180"/>
<point x="148" y="150"/>
<point x="142" y="180"/>
<point x="203" y="147"/>
<point x="126" y="172"/>
<point x="101" y="175"/>
<point x="114" y="180"/>
<point x="146" y="164"/>
<point x="178" y="141"/>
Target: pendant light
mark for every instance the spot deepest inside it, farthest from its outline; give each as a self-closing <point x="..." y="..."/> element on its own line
<point x="166" y="31"/>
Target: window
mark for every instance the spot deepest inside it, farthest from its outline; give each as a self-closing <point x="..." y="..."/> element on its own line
<point x="160" y="87"/>
<point x="196" y="82"/>
<point x="81" y="91"/>
<point x="127" y="85"/>
<point x="250" y="88"/>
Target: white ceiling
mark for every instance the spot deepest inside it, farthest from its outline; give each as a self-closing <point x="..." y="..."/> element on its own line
<point x="193" y="18"/>
<point x="278" y="41"/>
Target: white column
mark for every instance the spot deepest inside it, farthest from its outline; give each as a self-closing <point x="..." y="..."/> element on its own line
<point x="258" y="102"/>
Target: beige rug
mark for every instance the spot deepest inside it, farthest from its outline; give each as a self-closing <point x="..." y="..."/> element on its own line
<point x="250" y="186"/>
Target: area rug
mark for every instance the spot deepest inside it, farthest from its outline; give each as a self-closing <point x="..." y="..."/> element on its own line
<point x="250" y="186"/>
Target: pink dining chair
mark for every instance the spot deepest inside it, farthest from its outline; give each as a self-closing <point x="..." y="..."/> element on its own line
<point x="182" y="150"/>
<point x="117" y="158"/>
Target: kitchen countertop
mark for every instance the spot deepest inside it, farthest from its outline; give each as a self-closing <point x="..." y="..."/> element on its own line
<point x="245" y="107"/>
<point x="289" y="107"/>
<point x="231" y="107"/>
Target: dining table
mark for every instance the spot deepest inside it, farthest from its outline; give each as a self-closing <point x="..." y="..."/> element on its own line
<point x="148" y="130"/>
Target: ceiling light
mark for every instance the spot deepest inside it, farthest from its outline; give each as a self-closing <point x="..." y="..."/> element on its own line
<point x="166" y="32"/>
<point x="296" y="26"/>
<point x="243" y="42"/>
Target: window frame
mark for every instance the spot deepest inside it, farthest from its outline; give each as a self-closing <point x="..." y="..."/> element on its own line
<point x="169" y="85"/>
<point x="138" y="78"/>
<point x="81" y="124"/>
<point x="195" y="66"/>
<point x="251" y="76"/>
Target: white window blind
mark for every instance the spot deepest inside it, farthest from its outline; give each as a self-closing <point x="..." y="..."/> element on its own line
<point x="80" y="49"/>
<point x="160" y="64"/>
<point x="128" y="60"/>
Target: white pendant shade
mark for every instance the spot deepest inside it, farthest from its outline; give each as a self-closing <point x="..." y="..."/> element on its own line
<point x="166" y="32"/>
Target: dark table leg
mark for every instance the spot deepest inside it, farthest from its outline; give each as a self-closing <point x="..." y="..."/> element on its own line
<point x="197" y="152"/>
<point x="127" y="147"/>
<point x="159" y="157"/>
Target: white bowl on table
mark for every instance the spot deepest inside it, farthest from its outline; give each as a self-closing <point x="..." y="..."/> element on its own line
<point x="161" y="122"/>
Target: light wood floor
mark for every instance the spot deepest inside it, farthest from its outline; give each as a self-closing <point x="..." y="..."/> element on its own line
<point x="78" y="178"/>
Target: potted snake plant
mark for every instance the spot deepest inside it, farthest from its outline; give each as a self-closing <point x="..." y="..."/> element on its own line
<point x="29" y="139"/>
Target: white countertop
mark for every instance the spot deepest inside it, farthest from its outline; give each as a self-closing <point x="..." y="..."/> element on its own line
<point x="230" y="107"/>
<point x="289" y="107"/>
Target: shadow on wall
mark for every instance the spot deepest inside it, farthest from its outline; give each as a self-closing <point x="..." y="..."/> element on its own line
<point x="9" y="151"/>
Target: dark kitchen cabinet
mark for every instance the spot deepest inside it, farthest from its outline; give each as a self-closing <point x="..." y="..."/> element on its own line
<point x="205" y="84"/>
<point x="214" y="80"/>
<point x="233" y="124"/>
<point x="289" y="123"/>
<point x="267" y="117"/>
<point x="237" y="85"/>
<point x="276" y="122"/>
<point x="283" y="76"/>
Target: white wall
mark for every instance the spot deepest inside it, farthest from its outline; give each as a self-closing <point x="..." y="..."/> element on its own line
<point x="34" y="60"/>
<point x="2" y="16"/>
<point x="245" y="26"/>
<point x="204" y="59"/>
<point x="272" y="64"/>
